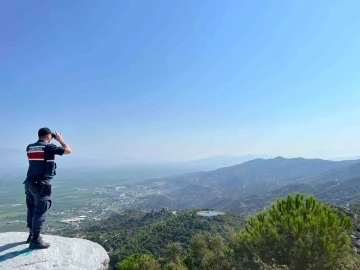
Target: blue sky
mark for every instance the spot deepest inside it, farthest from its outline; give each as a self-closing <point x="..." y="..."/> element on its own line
<point x="179" y="80"/>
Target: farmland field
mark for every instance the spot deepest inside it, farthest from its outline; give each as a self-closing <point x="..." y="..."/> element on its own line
<point x="71" y="197"/>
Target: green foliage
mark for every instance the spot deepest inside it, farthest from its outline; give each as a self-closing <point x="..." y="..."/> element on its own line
<point x="173" y="257"/>
<point x="173" y="252"/>
<point x="135" y="232"/>
<point x="208" y="251"/>
<point x="129" y="263"/>
<point x="298" y="232"/>
<point x="139" y="262"/>
<point x="155" y="237"/>
<point x="175" y="266"/>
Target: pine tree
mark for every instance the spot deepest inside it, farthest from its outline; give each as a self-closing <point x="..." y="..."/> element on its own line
<point x="301" y="233"/>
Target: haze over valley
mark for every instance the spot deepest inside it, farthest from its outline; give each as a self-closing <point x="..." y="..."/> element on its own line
<point x="85" y="196"/>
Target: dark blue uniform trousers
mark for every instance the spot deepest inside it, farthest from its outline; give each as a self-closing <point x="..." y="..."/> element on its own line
<point x="37" y="206"/>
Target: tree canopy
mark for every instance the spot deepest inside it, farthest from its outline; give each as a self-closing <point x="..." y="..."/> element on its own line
<point x="299" y="232"/>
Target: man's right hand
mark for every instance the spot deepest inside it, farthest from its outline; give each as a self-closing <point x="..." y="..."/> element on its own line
<point x="60" y="139"/>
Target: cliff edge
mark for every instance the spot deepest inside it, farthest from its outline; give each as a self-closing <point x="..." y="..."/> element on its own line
<point x="64" y="253"/>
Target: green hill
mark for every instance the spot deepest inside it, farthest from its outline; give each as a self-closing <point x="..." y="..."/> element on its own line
<point x="338" y="193"/>
<point x="136" y="232"/>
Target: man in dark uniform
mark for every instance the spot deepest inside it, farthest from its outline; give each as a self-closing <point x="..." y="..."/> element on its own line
<point x="42" y="168"/>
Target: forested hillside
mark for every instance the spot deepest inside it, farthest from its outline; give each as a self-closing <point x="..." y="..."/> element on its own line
<point x="338" y="193"/>
<point x="184" y="240"/>
<point x="135" y="232"/>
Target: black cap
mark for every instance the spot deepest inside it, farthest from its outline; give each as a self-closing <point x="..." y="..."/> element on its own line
<point x="44" y="131"/>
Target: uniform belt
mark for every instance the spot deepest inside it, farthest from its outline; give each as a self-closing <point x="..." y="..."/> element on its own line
<point x="35" y="178"/>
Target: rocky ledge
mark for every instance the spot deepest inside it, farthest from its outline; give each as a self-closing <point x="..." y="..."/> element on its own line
<point x="64" y="253"/>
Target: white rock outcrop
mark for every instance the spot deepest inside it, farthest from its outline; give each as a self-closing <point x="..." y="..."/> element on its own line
<point x="64" y="253"/>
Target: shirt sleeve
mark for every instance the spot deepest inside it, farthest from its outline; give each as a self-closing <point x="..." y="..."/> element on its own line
<point x="52" y="149"/>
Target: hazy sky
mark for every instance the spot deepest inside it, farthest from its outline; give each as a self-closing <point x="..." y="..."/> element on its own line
<point x="175" y="80"/>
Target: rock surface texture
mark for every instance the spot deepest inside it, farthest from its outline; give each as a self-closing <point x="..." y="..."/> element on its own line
<point x="64" y="253"/>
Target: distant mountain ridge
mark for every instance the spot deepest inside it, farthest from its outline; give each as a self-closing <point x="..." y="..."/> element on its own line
<point x="340" y="193"/>
<point x="221" y="161"/>
<point x="341" y="173"/>
<point x="242" y="182"/>
<point x="278" y="171"/>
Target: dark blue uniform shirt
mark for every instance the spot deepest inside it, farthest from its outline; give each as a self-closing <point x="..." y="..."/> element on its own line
<point x="41" y="157"/>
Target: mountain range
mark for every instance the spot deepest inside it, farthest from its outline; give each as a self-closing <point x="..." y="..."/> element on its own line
<point x="337" y="192"/>
<point x="247" y="186"/>
<point x="255" y="181"/>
